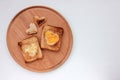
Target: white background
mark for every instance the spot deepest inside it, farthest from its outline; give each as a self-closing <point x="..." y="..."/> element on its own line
<point x="96" y="50"/>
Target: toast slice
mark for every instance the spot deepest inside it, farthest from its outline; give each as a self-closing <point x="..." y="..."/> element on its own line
<point x="51" y="37"/>
<point x="30" y="49"/>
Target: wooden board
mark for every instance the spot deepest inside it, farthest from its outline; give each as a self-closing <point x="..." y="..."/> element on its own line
<point x="16" y="33"/>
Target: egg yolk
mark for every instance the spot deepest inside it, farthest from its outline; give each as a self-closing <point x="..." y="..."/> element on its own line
<point x="52" y="38"/>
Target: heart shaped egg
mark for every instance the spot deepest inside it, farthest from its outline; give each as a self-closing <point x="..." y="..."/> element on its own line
<point x="51" y="37"/>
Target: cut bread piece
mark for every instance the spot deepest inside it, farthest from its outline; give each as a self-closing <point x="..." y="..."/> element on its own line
<point x="30" y="49"/>
<point x="51" y="37"/>
<point x="39" y="20"/>
<point x="32" y="29"/>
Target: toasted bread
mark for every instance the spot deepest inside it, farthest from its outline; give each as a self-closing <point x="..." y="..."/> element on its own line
<point x="31" y="50"/>
<point x="39" y="20"/>
<point x="32" y="29"/>
<point x="51" y="37"/>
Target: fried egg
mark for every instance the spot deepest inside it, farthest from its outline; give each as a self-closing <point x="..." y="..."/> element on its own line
<point x="51" y="37"/>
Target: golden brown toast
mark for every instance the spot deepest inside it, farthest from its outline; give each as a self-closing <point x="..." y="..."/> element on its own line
<point x="51" y="37"/>
<point x="32" y="29"/>
<point x="30" y="49"/>
<point x="39" y="20"/>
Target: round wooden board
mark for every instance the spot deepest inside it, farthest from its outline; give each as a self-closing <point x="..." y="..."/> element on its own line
<point x="16" y="33"/>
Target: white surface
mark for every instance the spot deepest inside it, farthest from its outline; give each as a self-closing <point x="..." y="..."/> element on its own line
<point x="96" y="50"/>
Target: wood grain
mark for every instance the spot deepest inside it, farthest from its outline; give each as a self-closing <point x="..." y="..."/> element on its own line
<point x="16" y="33"/>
